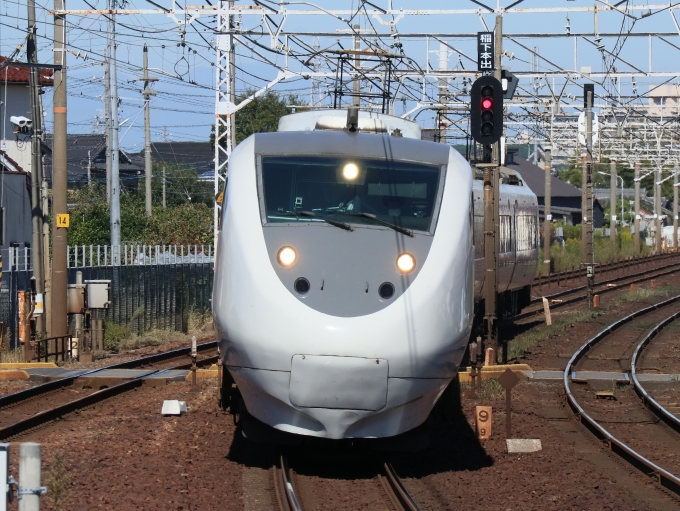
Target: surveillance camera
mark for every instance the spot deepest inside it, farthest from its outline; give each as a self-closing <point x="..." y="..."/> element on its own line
<point x="21" y="124"/>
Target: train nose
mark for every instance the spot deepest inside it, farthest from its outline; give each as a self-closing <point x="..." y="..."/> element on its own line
<point x="350" y="383"/>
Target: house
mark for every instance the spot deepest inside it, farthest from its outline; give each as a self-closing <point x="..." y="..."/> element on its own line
<point x="16" y="102"/>
<point x="565" y="198"/>
<point x="15" y="206"/>
<point x="199" y="156"/>
<point x="86" y="161"/>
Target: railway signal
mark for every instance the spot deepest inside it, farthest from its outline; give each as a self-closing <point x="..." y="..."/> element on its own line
<point x="486" y="110"/>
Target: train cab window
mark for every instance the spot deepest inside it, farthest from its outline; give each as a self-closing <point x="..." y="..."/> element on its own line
<point x="340" y="188"/>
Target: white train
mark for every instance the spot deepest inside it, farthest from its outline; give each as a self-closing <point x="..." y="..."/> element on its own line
<point x="345" y="279"/>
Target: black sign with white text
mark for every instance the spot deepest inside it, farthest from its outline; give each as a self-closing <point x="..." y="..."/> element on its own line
<point x="485" y="52"/>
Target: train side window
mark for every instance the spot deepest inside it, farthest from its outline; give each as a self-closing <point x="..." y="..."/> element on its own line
<point x="526" y="233"/>
<point x="506" y="234"/>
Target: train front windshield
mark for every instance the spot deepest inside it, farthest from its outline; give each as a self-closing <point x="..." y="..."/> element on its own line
<point x="403" y="194"/>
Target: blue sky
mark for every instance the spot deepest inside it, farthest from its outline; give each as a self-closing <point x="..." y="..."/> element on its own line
<point x="184" y="107"/>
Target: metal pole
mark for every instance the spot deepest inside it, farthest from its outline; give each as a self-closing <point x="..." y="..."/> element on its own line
<point x="637" y="209"/>
<point x="107" y="106"/>
<point x="612" y="200"/>
<point x="59" y="178"/>
<point x="29" y="476"/>
<point x="356" y="86"/>
<point x="675" y="207"/>
<point x="546" y="211"/>
<point x="147" y="93"/>
<point x="491" y="239"/>
<point x="232" y="74"/>
<point x="36" y="166"/>
<point x="443" y="87"/>
<point x="589" y="254"/>
<point x="657" y="208"/>
<point x="113" y="149"/>
<point x="163" y="186"/>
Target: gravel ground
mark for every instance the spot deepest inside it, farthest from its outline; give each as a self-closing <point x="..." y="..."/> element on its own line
<point x="121" y="454"/>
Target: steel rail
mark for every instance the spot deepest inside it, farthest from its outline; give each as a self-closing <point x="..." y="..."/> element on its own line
<point x="607" y="267"/>
<point x="402" y="496"/>
<point x="637" y="277"/>
<point x="283" y="484"/>
<point x="665" y="478"/>
<point x="23" y="395"/>
<point x="51" y="414"/>
<point x="651" y="403"/>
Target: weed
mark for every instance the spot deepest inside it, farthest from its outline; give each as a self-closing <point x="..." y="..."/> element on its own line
<point x="488" y="389"/>
<point x="197" y="320"/>
<point x="57" y="482"/>
<point x="518" y="346"/>
<point x="647" y="292"/>
<point x="114" y="334"/>
<point x="12" y="356"/>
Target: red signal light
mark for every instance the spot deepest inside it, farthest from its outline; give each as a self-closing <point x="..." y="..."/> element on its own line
<point x="487" y="103"/>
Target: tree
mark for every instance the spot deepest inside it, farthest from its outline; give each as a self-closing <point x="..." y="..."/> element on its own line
<point x="261" y="115"/>
<point x="181" y="186"/>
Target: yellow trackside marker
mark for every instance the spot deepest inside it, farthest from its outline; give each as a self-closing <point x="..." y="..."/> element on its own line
<point x="220" y="198"/>
<point x="63" y="220"/>
<point x="483" y="422"/>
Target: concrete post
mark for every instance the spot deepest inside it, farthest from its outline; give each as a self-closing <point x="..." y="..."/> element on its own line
<point x="637" y="209"/>
<point x="29" y="476"/>
<point x="548" y="217"/>
<point x="675" y="207"/>
<point x="612" y="200"/>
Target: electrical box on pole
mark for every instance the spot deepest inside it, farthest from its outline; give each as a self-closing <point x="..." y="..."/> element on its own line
<point x="486" y="110"/>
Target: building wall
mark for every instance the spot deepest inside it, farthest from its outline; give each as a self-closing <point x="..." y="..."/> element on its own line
<point x="18" y="146"/>
<point x="664" y="101"/>
<point x="16" y="201"/>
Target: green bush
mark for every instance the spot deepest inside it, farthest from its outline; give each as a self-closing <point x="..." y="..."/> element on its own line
<point x="114" y="334"/>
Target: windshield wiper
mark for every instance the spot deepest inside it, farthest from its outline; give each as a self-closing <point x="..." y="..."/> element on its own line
<point x="311" y="214"/>
<point x="383" y="222"/>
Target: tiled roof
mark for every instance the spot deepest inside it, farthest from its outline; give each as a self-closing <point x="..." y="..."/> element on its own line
<point x="20" y="74"/>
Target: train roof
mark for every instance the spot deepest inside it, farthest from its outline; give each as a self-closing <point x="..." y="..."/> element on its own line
<point x="336" y="120"/>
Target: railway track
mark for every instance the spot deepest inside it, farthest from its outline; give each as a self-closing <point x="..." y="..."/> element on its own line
<point x="624" y="265"/>
<point x="577" y="294"/>
<point x="28" y="405"/>
<point x="392" y="493"/>
<point x="628" y="419"/>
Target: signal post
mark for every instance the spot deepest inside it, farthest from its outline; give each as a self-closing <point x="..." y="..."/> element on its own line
<point x="486" y="126"/>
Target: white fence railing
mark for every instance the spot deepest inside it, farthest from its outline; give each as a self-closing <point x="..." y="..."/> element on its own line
<point x="82" y="256"/>
<point x="79" y="256"/>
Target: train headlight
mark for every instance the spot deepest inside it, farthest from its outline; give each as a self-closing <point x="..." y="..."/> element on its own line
<point x="406" y="263"/>
<point x="286" y="257"/>
<point x="350" y="171"/>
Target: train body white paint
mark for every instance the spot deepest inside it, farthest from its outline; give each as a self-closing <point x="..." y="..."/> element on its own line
<point x="341" y="342"/>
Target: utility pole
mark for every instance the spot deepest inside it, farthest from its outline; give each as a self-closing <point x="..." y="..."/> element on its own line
<point x="59" y="179"/>
<point x="147" y="93"/>
<point x="356" y="86"/>
<point x="107" y="107"/>
<point x="612" y="200"/>
<point x="37" y="257"/>
<point x="163" y="186"/>
<point x="587" y="191"/>
<point x="637" y="209"/>
<point x="657" y="208"/>
<point x="113" y="149"/>
<point x="675" y="207"/>
<point x="546" y="211"/>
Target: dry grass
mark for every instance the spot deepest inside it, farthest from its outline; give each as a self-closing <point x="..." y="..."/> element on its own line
<point x="487" y="390"/>
<point x="58" y="482"/>
<point x="12" y="356"/>
<point x="518" y="346"/>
